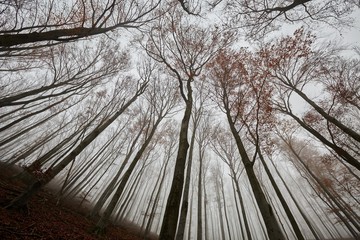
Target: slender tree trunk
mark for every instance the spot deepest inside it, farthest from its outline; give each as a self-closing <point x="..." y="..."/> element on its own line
<point x="122" y="214"/>
<point x="156" y="199"/>
<point x="199" y="202"/>
<point x="152" y="198"/>
<point x="242" y="205"/>
<point x="218" y="201"/>
<point x="185" y="201"/>
<point x="110" y="187"/>
<point x="327" y="193"/>
<point x="237" y="210"/>
<point x="288" y="212"/>
<point x="225" y="208"/>
<point x="190" y="214"/>
<point x="297" y="205"/>
<point x="205" y="212"/>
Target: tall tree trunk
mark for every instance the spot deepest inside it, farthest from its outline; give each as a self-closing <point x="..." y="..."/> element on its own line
<point x="242" y="205"/>
<point x="238" y="211"/>
<point x="329" y="118"/>
<point x="110" y="187"/>
<point x="156" y="199"/>
<point x="297" y="205"/>
<point x="225" y="209"/>
<point x="152" y="198"/>
<point x="190" y="214"/>
<point x="325" y="190"/>
<point x="199" y="202"/>
<point x="205" y="211"/>
<point x="170" y="220"/>
<point x="185" y="201"/>
<point x="218" y="201"/>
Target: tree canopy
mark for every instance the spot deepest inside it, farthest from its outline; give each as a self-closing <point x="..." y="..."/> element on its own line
<point x="219" y="119"/>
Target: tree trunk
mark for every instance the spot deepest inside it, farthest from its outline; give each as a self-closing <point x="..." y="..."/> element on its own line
<point x="205" y="212"/>
<point x="9" y="40"/>
<point x="170" y="220"/>
<point x="273" y="229"/>
<point x="238" y="211"/>
<point x="297" y="205"/>
<point x="110" y="187"/>
<point x="199" y="203"/>
<point x="156" y="199"/>
<point x="242" y="205"/>
<point x="225" y="211"/>
<point x="218" y="201"/>
<point x="185" y="201"/>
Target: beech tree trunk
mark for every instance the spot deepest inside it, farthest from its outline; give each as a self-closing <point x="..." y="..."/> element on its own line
<point x="170" y="220"/>
<point x="185" y="202"/>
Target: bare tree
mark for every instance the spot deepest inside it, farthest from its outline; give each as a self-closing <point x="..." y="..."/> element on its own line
<point x="258" y="18"/>
<point x="54" y="22"/>
<point x="62" y="161"/>
<point x="310" y="67"/>
<point x="184" y="49"/>
<point x="297" y="151"/>
<point x="225" y="148"/>
<point x="236" y="82"/>
<point x="161" y="101"/>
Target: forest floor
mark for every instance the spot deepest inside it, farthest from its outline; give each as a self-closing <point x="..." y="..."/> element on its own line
<point x="44" y="219"/>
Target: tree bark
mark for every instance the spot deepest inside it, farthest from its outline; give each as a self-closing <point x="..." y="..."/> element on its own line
<point x="185" y="201"/>
<point x="170" y="220"/>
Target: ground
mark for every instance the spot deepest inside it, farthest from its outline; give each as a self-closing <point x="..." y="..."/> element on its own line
<point x="44" y="219"/>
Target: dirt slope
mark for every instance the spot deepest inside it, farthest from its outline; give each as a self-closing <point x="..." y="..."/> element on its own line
<point x="43" y="219"/>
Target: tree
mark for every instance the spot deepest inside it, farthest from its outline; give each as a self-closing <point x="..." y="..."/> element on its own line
<point x="257" y="18"/>
<point x="225" y="148"/>
<point x="70" y="114"/>
<point x="197" y="114"/>
<point x="70" y="79"/>
<point x="62" y="161"/>
<point x="168" y="144"/>
<point x="297" y="152"/>
<point x="219" y="198"/>
<point x="293" y="76"/>
<point x="57" y="22"/>
<point x="203" y="140"/>
<point x="185" y="202"/>
<point x="236" y="82"/>
<point x="184" y="49"/>
<point x="161" y="100"/>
